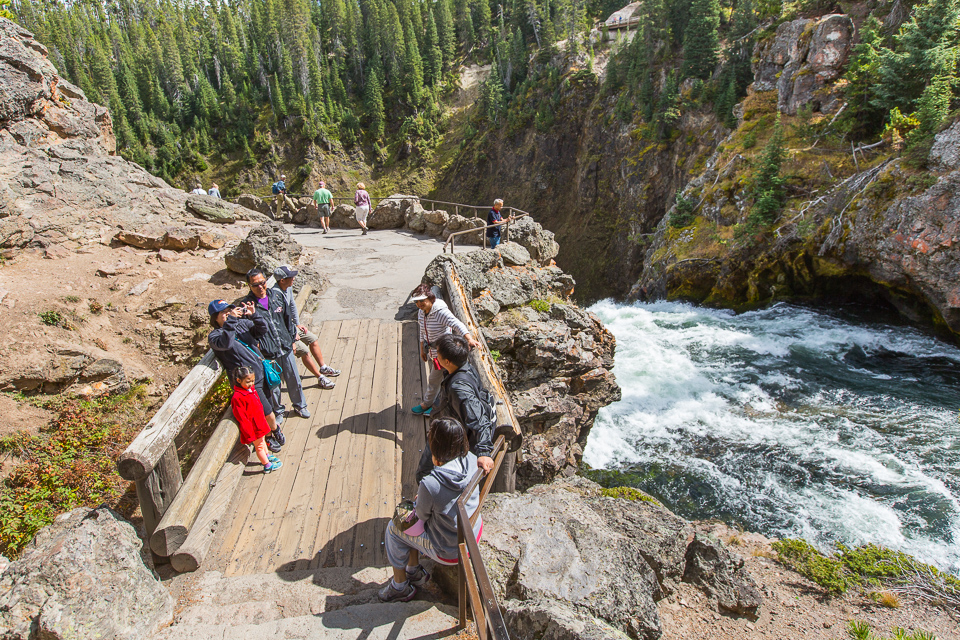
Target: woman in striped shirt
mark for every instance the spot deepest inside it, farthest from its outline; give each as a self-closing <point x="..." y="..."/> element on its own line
<point x="434" y="320"/>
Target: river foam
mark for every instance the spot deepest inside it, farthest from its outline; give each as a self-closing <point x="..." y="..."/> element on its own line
<point x="788" y="421"/>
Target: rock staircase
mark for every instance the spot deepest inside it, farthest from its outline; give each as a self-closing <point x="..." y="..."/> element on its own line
<point x="338" y="603"/>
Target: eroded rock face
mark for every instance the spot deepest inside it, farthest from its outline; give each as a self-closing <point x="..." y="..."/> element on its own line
<point x="608" y="563"/>
<point x="802" y="61"/>
<point x="555" y="359"/>
<point x="83" y="577"/>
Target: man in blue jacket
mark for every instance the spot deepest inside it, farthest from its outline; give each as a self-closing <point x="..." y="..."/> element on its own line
<point x="277" y="343"/>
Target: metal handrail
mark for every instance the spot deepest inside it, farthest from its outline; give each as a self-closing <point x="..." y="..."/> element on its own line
<point x="473" y="584"/>
<point x="451" y="239"/>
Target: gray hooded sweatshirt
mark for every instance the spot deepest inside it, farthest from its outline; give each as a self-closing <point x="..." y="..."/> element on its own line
<point x="437" y="502"/>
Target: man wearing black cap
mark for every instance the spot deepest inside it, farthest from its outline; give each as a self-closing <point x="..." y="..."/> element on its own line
<point x="277" y="343"/>
<point x="306" y="342"/>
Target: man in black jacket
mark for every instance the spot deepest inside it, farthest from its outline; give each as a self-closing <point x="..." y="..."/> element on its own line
<point x="277" y="343"/>
<point x="463" y="397"/>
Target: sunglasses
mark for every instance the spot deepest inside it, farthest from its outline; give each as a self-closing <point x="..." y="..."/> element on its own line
<point x="257" y="285"/>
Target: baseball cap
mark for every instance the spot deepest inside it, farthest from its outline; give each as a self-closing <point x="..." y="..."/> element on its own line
<point x="217" y="306"/>
<point x="284" y="271"/>
<point x="283" y="176"/>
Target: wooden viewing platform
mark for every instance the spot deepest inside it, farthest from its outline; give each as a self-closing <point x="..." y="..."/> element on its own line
<point x="344" y="468"/>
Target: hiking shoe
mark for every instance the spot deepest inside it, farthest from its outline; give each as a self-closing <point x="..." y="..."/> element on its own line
<point x="303" y="412"/>
<point x="273" y="458"/>
<point x="363" y="234"/>
<point x="391" y="594"/>
<point x="273" y="466"/>
<point x="419" y="577"/>
<point x="279" y="437"/>
<point x="420" y="411"/>
<point x="324" y="232"/>
<point x="329" y="371"/>
<point x="273" y="445"/>
<point x="326" y="383"/>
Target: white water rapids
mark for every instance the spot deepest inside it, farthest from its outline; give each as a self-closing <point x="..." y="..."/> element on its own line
<point x="787" y="421"/>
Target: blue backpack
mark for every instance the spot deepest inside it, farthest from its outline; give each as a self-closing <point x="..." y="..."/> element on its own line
<point x="276" y="188"/>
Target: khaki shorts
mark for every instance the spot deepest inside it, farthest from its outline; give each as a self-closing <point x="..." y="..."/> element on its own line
<point x="302" y="346"/>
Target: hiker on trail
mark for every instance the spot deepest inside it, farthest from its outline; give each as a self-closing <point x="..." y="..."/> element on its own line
<point x="306" y="342"/>
<point x="236" y="332"/>
<point x="198" y="190"/>
<point x="435" y="532"/>
<point x="248" y="412"/>
<point x="462" y="396"/>
<point x="362" y="201"/>
<point x="494" y="218"/>
<point x="434" y="320"/>
<point x="277" y="343"/>
<point x="324" y="200"/>
<point x="214" y="191"/>
<point x="280" y="190"/>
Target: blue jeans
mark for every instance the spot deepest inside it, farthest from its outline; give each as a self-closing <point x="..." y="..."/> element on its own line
<point x="291" y="380"/>
<point x="494" y="241"/>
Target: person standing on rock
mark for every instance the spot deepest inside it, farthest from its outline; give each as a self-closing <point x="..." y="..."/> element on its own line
<point x="362" y="201"/>
<point x="306" y="342"/>
<point x="463" y="397"/>
<point x="496" y="219"/>
<point x="280" y="190"/>
<point x="234" y="340"/>
<point x="434" y="320"/>
<point x="277" y="343"/>
<point x="324" y="200"/>
<point x="214" y="191"/>
<point x="198" y="190"/>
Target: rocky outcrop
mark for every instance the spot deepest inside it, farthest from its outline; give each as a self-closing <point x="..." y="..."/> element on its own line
<point x="83" y="577"/>
<point x="267" y="246"/>
<point x="555" y="358"/>
<point x="609" y="562"/>
<point x="73" y="369"/>
<point x="802" y="61"/>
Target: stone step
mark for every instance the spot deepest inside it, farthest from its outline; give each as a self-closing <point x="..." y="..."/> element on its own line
<point x="373" y="621"/>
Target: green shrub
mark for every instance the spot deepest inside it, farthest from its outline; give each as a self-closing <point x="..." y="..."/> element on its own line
<point x="540" y="305"/>
<point x="495" y="355"/>
<point x="628" y="493"/>
<point x="683" y="215"/>
<point x="51" y="318"/>
<point x="827" y="572"/>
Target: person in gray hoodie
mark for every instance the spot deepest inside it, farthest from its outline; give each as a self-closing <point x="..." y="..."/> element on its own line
<point x="435" y="532"/>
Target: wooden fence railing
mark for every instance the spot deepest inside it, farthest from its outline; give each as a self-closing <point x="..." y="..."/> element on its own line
<point x="169" y="503"/>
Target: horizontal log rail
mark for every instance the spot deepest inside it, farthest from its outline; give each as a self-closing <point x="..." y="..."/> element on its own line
<point x="451" y="239"/>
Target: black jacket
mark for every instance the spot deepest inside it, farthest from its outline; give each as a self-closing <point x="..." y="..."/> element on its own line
<point x="229" y="351"/>
<point x="277" y="341"/>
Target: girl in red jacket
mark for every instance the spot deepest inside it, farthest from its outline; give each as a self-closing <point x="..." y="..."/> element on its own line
<point x="248" y="412"/>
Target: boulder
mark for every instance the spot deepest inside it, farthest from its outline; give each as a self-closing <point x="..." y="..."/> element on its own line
<point x="552" y="620"/>
<point x="267" y="246"/>
<point x="945" y="152"/>
<point x="343" y="217"/>
<point x="414" y="220"/>
<point x="211" y="209"/>
<point x="438" y="217"/>
<point x="83" y="577"/>
<point x="211" y="239"/>
<point x="389" y="214"/>
<point x="535" y="239"/>
<point x="166" y="255"/>
<point x="514" y="254"/>
<point x="721" y="575"/>
<point x="255" y="203"/>
<point x="143" y="236"/>
<point x="181" y="239"/>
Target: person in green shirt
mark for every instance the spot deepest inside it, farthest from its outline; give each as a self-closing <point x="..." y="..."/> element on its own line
<point x="324" y="200"/>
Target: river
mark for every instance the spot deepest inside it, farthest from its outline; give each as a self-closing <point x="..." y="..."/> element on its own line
<point x="788" y="421"/>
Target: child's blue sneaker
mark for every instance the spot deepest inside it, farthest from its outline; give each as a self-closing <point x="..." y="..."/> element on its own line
<point x="273" y="458"/>
<point x="273" y="466"/>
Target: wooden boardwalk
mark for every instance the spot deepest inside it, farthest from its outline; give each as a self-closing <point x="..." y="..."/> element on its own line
<point x="344" y="468"/>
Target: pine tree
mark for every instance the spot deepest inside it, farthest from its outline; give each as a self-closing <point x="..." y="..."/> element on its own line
<point x="768" y="184"/>
<point x="492" y="93"/>
<point x="433" y="58"/>
<point x="862" y="76"/>
<point x="701" y="44"/>
<point x="445" y="31"/>
<point x="373" y="101"/>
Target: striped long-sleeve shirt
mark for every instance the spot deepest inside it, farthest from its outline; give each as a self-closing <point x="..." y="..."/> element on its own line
<point x="438" y="322"/>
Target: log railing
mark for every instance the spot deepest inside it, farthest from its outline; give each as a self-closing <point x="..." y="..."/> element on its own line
<point x="170" y="504"/>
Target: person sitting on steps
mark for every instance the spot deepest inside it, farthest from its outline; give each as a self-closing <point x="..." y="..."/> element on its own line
<point x="435" y="532"/>
<point x="306" y="342"/>
<point x="463" y="397"/>
<point x="434" y="320"/>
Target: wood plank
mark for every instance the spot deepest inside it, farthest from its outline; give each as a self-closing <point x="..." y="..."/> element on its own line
<point x="325" y="437"/>
<point x="335" y="540"/>
<point x="411" y="429"/>
<point x="296" y="502"/>
<point x="378" y="481"/>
